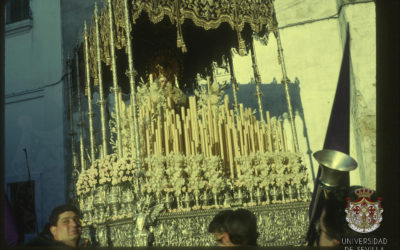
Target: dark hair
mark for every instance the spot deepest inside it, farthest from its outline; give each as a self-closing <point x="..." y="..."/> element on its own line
<point x="335" y="215"/>
<point x="54" y="216"/>
<point x="240" y="225"/>
<point x="218" y="222"/>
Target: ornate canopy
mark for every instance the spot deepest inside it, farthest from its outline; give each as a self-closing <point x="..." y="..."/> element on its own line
<point x="209" y="14"/>
<point x="256" y="15"/>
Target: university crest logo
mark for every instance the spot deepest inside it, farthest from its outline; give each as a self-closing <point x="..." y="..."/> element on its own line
<point x="364" y="215"/>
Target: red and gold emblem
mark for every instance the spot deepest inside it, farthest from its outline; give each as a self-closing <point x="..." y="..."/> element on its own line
<point x="364" y="215"/>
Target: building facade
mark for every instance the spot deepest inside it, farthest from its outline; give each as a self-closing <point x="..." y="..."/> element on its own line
<point x="34" y="103"/>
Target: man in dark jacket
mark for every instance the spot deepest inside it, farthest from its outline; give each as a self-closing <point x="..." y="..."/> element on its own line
<point x="64" y="228"/>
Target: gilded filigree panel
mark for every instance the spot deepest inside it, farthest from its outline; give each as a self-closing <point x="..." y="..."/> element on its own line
<point x="278" y="225"/>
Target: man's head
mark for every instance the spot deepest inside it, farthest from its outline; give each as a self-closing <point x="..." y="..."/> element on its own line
<point x="235" y="228"/>
<point x="218" y="228"/>
<point x="65" y="225"/>
<point x="331" y="223"/>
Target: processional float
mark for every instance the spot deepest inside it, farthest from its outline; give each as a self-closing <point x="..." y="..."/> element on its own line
<point x="166" y="163"/>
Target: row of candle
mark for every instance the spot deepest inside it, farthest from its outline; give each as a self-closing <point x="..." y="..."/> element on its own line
<point x="210" y="130"/>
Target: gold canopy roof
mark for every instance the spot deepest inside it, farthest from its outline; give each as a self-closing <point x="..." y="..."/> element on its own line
<point x="209" y="14"/>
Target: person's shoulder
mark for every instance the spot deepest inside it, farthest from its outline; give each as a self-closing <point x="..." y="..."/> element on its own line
<point x="42" y="241"/>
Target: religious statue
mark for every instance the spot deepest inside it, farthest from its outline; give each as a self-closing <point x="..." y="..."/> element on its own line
<point x="160" y="76"/>
<point x="144" y="218"/>
<point x="168" y="81"/>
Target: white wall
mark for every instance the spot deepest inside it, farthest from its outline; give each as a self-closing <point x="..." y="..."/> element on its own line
<point x="312" y="34"/>
<point x="362" y="20"/>
<point x="34" y="107"/>
<point x="33" y="58"/>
